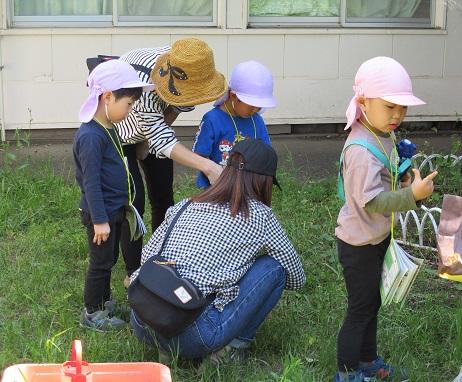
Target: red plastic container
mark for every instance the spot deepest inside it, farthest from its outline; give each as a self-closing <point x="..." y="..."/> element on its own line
<point x="77" y="370"/>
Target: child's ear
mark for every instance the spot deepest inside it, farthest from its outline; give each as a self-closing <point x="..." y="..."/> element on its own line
<point x="106" y="97"/>
<point x="361" y="100"/>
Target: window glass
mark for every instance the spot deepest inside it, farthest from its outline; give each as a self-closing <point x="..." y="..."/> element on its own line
<point x="389" y="9"/>
<point x="297" y="8"/>
<point x="62" y="7"/>
<point x="165" y="7"/>
<point x="348" y="13"/>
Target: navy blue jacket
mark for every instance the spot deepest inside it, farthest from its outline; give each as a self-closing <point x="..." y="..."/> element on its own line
<point x="100" y="172"/>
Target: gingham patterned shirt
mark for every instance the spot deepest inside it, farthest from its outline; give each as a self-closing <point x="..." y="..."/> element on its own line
<point x="215" y="250"/>
<point x="146" y="120"/>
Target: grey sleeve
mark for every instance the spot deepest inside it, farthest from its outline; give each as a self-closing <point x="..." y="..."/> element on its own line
<point x="392" y="201"/>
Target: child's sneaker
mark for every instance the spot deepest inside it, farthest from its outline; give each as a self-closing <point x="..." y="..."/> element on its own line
<point x="352" y="376"/>
<point x="381" y="371"/>
<point x="102" y="320"/>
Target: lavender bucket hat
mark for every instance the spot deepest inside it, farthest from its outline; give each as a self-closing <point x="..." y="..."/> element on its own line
<point x="252" y="82"/>
<point x="109" y="76"/>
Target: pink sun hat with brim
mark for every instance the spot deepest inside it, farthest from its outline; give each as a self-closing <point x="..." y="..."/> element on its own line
<point x="385" y="78"/>
<point x="109" y="76"/>
<point x="253" y="84"/>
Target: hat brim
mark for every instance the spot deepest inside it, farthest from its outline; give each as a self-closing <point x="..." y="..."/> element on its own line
<point x="138" y="84"/>
<point x="404" y="99"/>
<point x="88" y="108"/>
<point x="196" y="93"/>
<point x="266" y="102"/>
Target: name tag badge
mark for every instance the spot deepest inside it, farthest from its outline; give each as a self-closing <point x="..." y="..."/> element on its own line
<point x="182" y="294"/>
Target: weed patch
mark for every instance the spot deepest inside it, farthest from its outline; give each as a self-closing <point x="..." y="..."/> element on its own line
<point x="43" y="258"/>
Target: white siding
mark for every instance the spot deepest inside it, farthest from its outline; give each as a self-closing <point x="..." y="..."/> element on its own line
<point x="44" y="72"/>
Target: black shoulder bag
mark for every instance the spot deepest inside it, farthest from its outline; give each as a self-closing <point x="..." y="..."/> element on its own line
<point x="163" y="299"/>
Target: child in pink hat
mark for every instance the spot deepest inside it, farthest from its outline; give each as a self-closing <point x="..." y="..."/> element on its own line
<point x="383" y="91"/>
<point x="235" y="116"/>
<point x="104" y="181"/>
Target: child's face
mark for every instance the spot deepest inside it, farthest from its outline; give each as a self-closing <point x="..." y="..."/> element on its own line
<point x="119" y="109"/>
<point x="242" y="109"/>
<point x="383" y="115"/>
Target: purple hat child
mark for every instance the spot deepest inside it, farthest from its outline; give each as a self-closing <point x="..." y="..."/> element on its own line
<point x="385" y="78"/>
<point x="109" y="76"/>
<point x="252" y="82"/>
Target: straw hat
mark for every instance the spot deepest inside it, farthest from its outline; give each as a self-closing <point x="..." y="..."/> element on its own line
<point x="186" y="75"/>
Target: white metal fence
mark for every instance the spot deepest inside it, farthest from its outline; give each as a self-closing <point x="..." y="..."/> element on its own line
<point x="424" y="217"/>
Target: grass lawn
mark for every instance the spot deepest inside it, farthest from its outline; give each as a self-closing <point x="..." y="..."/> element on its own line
<point x="43" y="259"/>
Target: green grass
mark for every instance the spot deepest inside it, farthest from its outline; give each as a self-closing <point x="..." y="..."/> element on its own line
<point x="43" y="260"/>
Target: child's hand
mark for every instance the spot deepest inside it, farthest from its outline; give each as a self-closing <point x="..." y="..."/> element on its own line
<point x="422" y="188"/>
<point x="406" y="180"/>
<point x="102" y="232"/>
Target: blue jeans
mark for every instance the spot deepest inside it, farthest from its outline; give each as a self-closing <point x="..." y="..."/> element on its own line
<point x="259" y="291"/>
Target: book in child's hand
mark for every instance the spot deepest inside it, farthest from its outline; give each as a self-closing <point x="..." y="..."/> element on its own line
<point x="398" y="274"/>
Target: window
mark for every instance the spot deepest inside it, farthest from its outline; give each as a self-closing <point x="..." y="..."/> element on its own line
<point x="342" y="13"/>
<point x="113" y="12"/>
<point x="294" y="12"/>
<point x="385" y="12"/>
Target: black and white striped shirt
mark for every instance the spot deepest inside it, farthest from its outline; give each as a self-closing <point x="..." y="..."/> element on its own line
<point x="146" y="120"/>
<point x="215" y="250"/>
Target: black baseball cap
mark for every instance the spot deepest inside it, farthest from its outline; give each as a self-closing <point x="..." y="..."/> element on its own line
<point x="259" y="158"/>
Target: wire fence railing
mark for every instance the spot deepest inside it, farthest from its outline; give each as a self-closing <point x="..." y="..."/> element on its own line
<point x="419" y="228"/>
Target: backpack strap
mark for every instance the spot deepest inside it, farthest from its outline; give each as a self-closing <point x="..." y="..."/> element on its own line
<point x="374" y="150"/>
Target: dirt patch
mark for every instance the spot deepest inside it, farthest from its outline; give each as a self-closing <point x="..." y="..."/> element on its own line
<point x="311" y="157"/>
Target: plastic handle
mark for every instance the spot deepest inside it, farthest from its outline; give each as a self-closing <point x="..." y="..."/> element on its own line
<point x="77" y="355"/>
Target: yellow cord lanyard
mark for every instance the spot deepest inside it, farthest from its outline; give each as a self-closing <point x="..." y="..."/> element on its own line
<point x="239" y="137"/>
<point x="118" y="147"/>
<point x="394" y="177"/>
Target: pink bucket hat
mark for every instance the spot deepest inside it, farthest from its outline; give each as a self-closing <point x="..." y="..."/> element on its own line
<point x="253" y="84"/>
<point x="109" y="76"/>
<point x="385" y="78"/>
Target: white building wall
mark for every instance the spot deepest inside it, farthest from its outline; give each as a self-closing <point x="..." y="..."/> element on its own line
<point x="44" y="71"/>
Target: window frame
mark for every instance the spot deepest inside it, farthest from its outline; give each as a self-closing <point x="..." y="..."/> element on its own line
<point x="112" y="20"/>
<point x="343" y="21"/>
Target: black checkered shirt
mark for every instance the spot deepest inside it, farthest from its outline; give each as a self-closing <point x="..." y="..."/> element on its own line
<point x="215" y="250"/>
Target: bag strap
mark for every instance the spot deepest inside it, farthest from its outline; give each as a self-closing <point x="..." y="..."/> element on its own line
<point x="93" y="62"/>
<point x="172" y="224"/>
<point x="374" y="150"/>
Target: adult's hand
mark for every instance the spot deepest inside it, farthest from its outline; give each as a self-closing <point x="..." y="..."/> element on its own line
<point x="213" y="172"/>
<point x="102" y="232"/>
<point x="186" y="157"/>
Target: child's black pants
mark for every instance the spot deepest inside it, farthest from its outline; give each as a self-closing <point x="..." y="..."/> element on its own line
<point x="102" y="258"/>
<point x="362" y="269"/>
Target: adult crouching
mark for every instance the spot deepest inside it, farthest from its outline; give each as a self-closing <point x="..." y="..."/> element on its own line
<point x="229" y="244"/>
